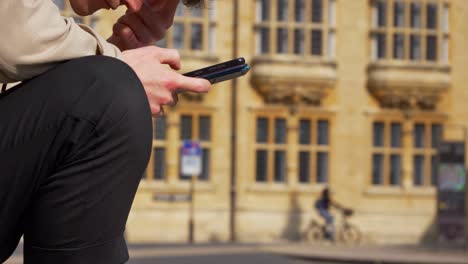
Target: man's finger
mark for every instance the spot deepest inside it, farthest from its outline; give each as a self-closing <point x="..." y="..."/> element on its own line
<point x="126" y="35"/>
<point x="198" y="85"/>
<point x="141" y="31"/>
<point x="168" y="56"/>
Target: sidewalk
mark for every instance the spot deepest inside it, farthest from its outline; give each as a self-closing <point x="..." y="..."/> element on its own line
<point x="313" y="252"/>
<point x="371" y="254"/>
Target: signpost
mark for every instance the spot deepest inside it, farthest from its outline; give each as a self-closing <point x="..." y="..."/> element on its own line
<point x="191" y="166"/>
<point x="451" y="191"/>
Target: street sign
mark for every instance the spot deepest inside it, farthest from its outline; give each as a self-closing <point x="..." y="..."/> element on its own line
<point x="191" y="162"/>
<point x="451" y="191"/>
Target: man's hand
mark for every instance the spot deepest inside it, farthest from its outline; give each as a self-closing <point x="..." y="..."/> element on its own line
<point x="160" y="82"/>
<point x="144" y="23"/>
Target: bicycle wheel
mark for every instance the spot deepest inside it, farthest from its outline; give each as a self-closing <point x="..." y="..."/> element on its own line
<point x="314" y="233"/>
<point x="350" y="234"/>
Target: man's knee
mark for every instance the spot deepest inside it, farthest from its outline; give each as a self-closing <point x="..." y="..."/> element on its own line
<point x="112" y="98"/>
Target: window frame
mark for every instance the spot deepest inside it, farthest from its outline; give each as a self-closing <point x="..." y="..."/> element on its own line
<point x="327" y="28"/>
<point x="209" y="27"/>
<point x="389" y="30"/>
<point x="270" y="146"/>
<point x="387" y="150"/>
<point x="314" y="148"/>
<point x="204" y="144"/>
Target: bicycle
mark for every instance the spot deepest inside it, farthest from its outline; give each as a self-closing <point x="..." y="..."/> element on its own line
<point x="346" y="232"/>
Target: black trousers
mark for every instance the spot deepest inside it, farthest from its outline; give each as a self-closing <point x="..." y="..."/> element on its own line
<point x="74" y="142"/>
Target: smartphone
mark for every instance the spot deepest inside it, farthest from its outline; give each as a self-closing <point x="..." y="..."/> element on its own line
<point x="217" y="67"/>
<point x="221" y="72"/>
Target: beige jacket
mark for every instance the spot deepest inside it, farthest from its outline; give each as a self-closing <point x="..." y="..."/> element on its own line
<point x="34" y="37"/>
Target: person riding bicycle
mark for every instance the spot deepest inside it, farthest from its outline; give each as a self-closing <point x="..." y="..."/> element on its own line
<point x="323" y="205"/>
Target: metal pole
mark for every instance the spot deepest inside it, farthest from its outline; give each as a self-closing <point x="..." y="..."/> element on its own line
<point x="192" y="201"/>
<point x="233" y="196"/>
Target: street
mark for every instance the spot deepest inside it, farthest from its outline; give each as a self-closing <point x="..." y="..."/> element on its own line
<point x="198" y="254"/>
<point x="253" y="258"/>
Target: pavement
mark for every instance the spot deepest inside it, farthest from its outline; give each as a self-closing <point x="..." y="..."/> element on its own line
<point x="286" y="253"/>
<point x="402" y="254"/>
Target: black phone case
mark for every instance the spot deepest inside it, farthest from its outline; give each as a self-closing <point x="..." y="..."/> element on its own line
<point x="216" y="68"/>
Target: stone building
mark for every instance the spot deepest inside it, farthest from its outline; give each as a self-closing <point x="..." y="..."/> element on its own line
<point x="353" y="94"/>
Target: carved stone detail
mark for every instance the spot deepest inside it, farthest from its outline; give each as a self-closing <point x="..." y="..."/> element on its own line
<point x="408" y="87"/>
<point x="289" y="83"/>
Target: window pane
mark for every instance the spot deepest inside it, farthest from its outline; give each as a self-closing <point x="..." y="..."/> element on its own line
<point x="60" y="4"/>
<point x="418" y="167"/>
<point x="316" y="42"/>
<point x="205" y="174"/>
<point x="280" y="166"/>
<point x="180" y="9"/>
<point x="299" y="10"/>
<point x="299" y="43"/>
<point x="162" y="43"/>
<point x="186" y="127"/>
<point x="381" y="45"/>
<point x="196" y="12"/>
<point x="262" y="130"/>
<point x="431" y="52"/>
<point x="282" y="40"/>
<point x="159" y="163"/>
<point x="204" y="128"/>
<point x="196" y="37"/>
<point x="445" y="20"/>
<point x="434" y="170"/>
<point x="378" y="134"/>
<point x="415" y="15"/>
<point x="331" y="44"/>
<point x="159" y="131"/>
<point x="381" y="7"/>
<point x="304" y="167"/>
<point x="396" y="135"/>
<point x="419" y="136"/>
<point x="436" y="131"/>
<point x="322" y="167"/>
<point x="282" y="14"/>
<point x="415" y="47"/>
<point x="263" y="40"/>
<point x="399" y="14"/>
<point x="395" y="169"/>
<point x="78" y="20"/>
<point x="331" y="13"/>
<point x="264" y="10"/>
<point x="178" y="35"/>
<point x="304" y="132"/>
<point x="322" y="132"/>
<point x="212" y="38"/>
<point x="432" y="16"/>
<point x="398" y="46"/>
<point x="262" y="157"/>
<point x="317" y="11"/>
<point x="280" y="131"/>
<point x="377" y="169"/>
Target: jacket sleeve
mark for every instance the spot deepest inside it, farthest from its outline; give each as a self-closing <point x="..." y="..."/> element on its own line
<point x="34" y="37"/>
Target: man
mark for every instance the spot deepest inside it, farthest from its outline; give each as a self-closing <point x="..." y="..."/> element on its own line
<point x="75" y="134"/>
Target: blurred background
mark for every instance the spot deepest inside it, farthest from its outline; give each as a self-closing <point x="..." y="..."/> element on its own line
<point x="365" y="97"/>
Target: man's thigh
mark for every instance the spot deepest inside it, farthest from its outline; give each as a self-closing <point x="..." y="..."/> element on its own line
<point x="71" y="149"/>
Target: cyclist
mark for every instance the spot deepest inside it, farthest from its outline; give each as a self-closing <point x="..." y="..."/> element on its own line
<point x="323" y="205"/>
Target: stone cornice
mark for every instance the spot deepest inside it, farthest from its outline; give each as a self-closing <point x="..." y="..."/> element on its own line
<point x="408" y="86"/>
<point x="292" y="81"/>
